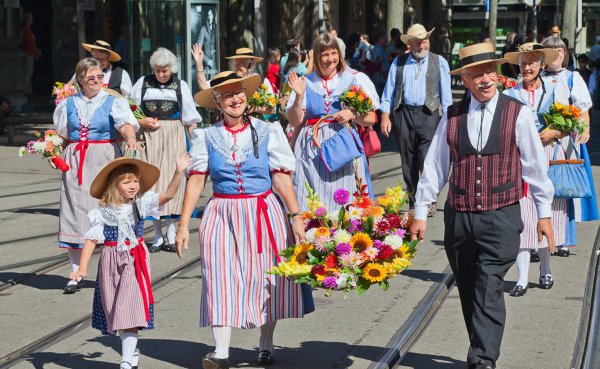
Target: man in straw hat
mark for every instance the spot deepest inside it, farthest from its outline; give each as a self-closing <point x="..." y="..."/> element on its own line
<point x="486" y="146"/>
<point x="115" y="78"/>
<point x="417" y="93"/>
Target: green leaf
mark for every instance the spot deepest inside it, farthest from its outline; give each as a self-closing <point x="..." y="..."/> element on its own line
<point x="412" y="245"/>
<point x="368" y="225"/>
<point x="384" y="285"/>
<point x="362" y="286"/>
<point x="341" y="215"/>
<point x="314" y="283"/>
<point x="287" y="253"/>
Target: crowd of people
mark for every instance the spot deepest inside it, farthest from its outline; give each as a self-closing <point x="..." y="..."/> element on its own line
<point x="493" y="148"/>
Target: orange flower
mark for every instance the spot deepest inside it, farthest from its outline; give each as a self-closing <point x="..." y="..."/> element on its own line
<point x="351" y="94"/>
<point x="50" y="132"/>
<point x="575" y="112"/>
<point x="322" y="232"/>
<point x="306" y="215"/>
<point x="361" y="97"/>
<point x="363" y="202"/>
<point x="375" y="211"/>
<point x="49" y="146"/>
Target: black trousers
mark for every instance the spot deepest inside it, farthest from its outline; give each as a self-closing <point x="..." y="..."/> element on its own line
<point x="481" y="248"/>
<point x="414" y="128"/>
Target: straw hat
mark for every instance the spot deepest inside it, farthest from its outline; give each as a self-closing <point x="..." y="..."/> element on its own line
<point x="206" y="99"/>
<point x="112" y="92"/>
<point x="477" y="54"/>
<point x="549" y="54"/>
<point x="104" y="46"/>
<point x="245" y="53"/>
<point x="415" y="31"/>
<point x="149" y="175"/>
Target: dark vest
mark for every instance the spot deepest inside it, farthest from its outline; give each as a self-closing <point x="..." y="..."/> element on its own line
<point x="116" y="76"/>
<point x="432" y="83"/>
<point x="489" y="179"/>
<point x="162" y="109"/>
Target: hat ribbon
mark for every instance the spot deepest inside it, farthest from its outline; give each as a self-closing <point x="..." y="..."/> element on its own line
<point x="107" y="46"/>
<point x="477" y="58"/>
<point x="217" y="81"/>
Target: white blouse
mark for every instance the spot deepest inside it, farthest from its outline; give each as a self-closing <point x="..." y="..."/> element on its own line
<point x="120" y="112"/>
<point x="281" y="156"/>
<point x="123" y="218"/>
<point x="579" y="93"/>
<point x="189" y="114"/>
<point x="361" y="79"/>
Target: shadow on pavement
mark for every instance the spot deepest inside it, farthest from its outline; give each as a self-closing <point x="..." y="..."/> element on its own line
<point x="39" y="360"/>
<point x="45" y="282"/>
<point x="424" y="361"/>
<point x="46" y="211"/>
<point x="424" y="275"/>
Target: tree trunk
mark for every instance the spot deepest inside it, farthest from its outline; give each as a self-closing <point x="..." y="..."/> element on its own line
<point x="81" y="28"/>
<point x="395" y="15"/>
<point x="493" y="19"/>
<point x="569" y="18"/>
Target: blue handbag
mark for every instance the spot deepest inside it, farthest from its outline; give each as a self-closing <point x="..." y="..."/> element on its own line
<point x="568" y="176"/>
<point x="339" y="150"/>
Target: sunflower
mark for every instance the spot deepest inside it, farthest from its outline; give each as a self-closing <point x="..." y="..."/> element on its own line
<point x="301" y="253"/>
<point x="322" y="232"/>
<point x="361" y="241"/>
<point x="374" y="272"/>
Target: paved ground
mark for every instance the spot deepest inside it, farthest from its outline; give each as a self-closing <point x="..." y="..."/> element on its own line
<point x="342" y="333"/>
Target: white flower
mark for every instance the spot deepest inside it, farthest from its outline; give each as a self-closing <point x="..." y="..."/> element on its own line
<point x="331" y="217"/>
<point x="394" y="240"/>
<point x="354" y="212"/>
<point x="371" y="252"/>
<point x="56" y="140"/>
<point x="39" y="147"/>
<point x="310" y="235"/>
<point x="342" y="236"/>
<point x="344" y="279"/>
<point x="22" y="151"/>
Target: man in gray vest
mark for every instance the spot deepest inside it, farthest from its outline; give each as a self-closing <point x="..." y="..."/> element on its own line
<point x="115" y="78"/>
<point x="416" y="94"/>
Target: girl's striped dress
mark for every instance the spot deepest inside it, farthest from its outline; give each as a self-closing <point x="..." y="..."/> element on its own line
<point x="123" y="297"/>
<point x="244" y="226"/>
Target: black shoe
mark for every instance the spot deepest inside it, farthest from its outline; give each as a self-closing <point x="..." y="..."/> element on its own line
<point x="168" y="247"/>
<point x="563" y="251"/>
<point x="72" y="288"/>
<point x="546" y="282"/>
<point x="154" y="248"/>
<point x="518" y="291"/>
<point x="265" y="357"/>
<point x="482" y="364"/>
<point x="535" y="256"/>
<point x="211" y="362"/>
<point x="80" y="284"/>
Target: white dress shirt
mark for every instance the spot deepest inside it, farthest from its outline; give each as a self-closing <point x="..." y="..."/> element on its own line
<point x="534" y="163"/>
<point x="125" y="81"/>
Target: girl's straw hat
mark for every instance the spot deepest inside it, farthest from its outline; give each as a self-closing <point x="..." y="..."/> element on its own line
<point x="549" y="54"/>
<point x="149" y="175"/>
<point x="104" y="46"/>
<point x="477" y="54"/>
<point x="245" y="53"/>
<point x="206" y="99"/>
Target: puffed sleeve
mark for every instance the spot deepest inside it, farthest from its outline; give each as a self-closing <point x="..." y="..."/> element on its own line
<point x="135" y="94"/>
<point x="96" y="231"/>
<point x="198" y="153"/>
<point x="149" y="205"/>
<point x="59" y="117"/>
<point x="580" y="93"/>
<point x="121" y="114"/>
<point x="281" y="157"/>
<point x="125" y="84"/>
<point x="189" y="114"/>
<point x="366" y="83"/>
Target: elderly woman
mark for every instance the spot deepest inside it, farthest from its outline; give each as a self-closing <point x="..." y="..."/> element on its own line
<point x="89" y="122"/>
<point x="571" y="89"/>
<point x="169" y="107"/>
<point x="313" y="97"/>
<point x="245" y="223"/>
<point x="537" y="96"/>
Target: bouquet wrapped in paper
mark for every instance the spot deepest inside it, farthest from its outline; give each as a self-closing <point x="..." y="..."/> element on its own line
<point x="63" y="91"/>
<point x="48" y="145"/>
<point x="363" y="244"/>
<point x="565" y="118"/>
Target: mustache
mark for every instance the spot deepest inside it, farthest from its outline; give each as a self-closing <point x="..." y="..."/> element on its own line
<point x="485" y="85"/>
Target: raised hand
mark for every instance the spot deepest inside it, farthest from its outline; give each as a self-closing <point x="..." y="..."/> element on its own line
<point x="297" y="84"/>
<point x="198" y="55"/>
<point x="182" y="162"/>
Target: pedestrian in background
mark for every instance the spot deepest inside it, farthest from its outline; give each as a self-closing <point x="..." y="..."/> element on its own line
<point x="416" y="94"/>
<point x="32" y="53"/>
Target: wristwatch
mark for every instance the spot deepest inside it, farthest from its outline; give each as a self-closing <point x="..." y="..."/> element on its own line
<point x="293" y="215"/>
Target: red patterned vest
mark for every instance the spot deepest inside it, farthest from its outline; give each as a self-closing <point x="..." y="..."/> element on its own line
<point x="491" y="178"/>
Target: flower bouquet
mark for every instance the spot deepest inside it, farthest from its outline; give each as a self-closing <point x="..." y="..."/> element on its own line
<point x="356" y="99"/>
<point x="63" y="91"/>
<point x="49" y="146"/>
<point x="137" y="111"/>
<point x="362" y="245"/>
<point x="262" y="98"/>
<point x="504" y="83"/>
<point x="565" y="118"/>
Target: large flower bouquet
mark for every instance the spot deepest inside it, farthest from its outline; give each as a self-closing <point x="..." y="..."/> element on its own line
<point x="356" y="99"/>
<point x="362" y="245"/>
<point x="565" y="118"/>
<point x="63" y="91"/>
<point x="504" y="82"/>
<point x="48" y="145"/>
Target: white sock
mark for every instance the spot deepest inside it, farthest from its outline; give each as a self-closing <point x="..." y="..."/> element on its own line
<point x="171" y="231"/>
<point x="523" y="259"/>
<point x="128" y="345"/>
<point x="544" y="262"/>
<point x="158" y="235"/>
<point x="266" y="337"/>
<point x="222" y="336"/>
<point x="136" y="358"/>
<point x="75" y="257"/>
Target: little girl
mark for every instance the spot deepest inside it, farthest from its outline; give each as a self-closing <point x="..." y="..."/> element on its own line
<point x="123" y="299"/>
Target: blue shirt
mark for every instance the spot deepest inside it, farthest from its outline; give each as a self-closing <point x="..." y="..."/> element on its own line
<point x="413" y="84"/>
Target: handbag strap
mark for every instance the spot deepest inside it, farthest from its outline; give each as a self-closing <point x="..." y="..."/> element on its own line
<point x="325" y="119"/>
<point x="578" y="159"/>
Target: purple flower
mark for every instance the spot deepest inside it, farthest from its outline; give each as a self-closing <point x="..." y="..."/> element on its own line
<point x="377" y="244"/>
<point x="320" y="212"/>
<point x="401" y="232"/>
<point x="329" y="282"/>
<point x="341" y="197"/>
<point x="355" y="226"/>
<point x="343" y="248"/>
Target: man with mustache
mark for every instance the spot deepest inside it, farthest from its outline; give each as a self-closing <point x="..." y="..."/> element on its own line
<point x="485" y="146"/>
<point x="417" y="93"/>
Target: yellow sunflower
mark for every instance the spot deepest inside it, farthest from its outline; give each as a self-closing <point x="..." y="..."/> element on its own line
<point x="361" y="241"/>
<point x="322" y="232"/>
<point x="374" y="273"/>
<point x="301" y="253"/>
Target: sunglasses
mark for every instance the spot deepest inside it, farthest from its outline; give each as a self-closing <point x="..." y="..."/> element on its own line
<point x="99" y="77"/>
